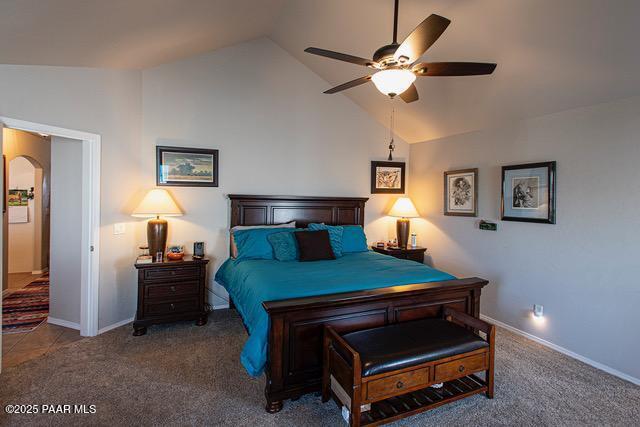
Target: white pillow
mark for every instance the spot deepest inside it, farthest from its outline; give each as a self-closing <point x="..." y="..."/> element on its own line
<point x="234" y="248"/>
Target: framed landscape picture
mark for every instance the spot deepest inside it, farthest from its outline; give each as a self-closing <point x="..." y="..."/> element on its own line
<point x="529" y="193"/>
<point x="186" y="167"/>
<point x="387" y="177"/>
<point x="461" y="192"/>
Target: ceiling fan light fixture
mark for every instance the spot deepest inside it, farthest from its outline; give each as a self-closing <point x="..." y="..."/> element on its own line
<point x="393" y="82"/>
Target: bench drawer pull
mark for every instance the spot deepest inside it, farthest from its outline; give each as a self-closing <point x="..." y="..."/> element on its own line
<point x="461" y="368"/>
<point x="400" y="384"/>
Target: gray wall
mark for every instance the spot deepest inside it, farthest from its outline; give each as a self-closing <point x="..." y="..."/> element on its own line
<point x="585" y="270"/>
<point x="276" y="131"/>
<point x="66" y="229"/>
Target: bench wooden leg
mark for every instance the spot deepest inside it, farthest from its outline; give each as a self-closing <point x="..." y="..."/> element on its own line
<point x="354" y="418"/>
<point x="326" y="382"/>
<point x="491" y="335"/>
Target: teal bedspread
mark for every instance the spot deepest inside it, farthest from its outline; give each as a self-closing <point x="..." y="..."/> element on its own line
<point x="251" y="282"/>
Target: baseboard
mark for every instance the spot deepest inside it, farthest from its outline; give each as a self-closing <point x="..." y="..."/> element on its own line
<point x="221" y="302"/>
<point x="115" y="325"/>
<point x="44" y="270"/>
<point x="564" y="351"/>
<point x="64" y="323"/>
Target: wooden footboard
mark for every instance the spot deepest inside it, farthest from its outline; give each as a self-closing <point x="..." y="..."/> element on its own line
<point x="294" y="361"/>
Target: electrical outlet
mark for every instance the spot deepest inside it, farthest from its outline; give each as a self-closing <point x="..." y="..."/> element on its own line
<point x="538" y="310"/>
<point x="119" y="228"/>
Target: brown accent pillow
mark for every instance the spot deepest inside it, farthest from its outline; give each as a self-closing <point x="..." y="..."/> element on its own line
<point x="314" y="245"/>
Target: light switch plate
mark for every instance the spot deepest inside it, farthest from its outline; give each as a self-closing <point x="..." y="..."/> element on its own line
<point x="119" y="228"/>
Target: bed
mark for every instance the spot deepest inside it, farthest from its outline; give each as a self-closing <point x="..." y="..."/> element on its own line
<point x="285" y="305"/>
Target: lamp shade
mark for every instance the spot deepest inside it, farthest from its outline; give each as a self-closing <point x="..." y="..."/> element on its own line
<point x="157" y="202"/>
<point x="393" y="82"/>
<point x="403" y="207"/>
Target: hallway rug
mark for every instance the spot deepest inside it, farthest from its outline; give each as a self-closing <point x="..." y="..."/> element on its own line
<point x="24" y="309"/>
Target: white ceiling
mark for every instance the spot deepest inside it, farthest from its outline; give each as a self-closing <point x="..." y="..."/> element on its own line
<point x="126" y="33"/>
<point x="552" y="55"/>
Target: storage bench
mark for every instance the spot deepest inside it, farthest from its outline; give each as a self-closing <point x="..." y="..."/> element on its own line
<point x="383" y="374"/>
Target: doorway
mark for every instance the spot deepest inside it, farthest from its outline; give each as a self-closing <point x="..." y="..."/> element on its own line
<point x="87" y="223"/>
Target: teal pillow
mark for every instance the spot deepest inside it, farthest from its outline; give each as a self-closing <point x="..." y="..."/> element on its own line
<point x="284" y="244"/>
<point x="353" y="239"/>
<point x="253" y="243"/>
<point x="335" y="236"/>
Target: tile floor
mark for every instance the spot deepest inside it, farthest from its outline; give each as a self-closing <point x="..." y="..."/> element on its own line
<point x="46" y="338"/>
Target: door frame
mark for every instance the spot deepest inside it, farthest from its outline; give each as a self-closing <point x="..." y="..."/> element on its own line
<point x="90" y="241"/>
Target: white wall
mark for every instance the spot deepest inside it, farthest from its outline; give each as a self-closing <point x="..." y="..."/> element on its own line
<point x="585" y="269"/>
<point x="21" y="236"/>
<point x="108" y="103"/>
<point x="276" y="131"/>
<point x="66" y="229"/>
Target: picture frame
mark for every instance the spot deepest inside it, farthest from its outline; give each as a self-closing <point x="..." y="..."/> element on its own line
<point x="461" y="192"/>
<point x="387" y="177"/>
<point x="186" y="167"/>
<point x="529" y="193"/>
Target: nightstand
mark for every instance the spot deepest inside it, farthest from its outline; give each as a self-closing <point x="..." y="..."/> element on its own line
<point x="169" y="291"/>
<point x="414" y="254"/>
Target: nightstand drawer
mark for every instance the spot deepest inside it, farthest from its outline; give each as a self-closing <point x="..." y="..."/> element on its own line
<point x="161" y="308"/>
<point x="168" y="290"/>
<point x="172" y="273"/>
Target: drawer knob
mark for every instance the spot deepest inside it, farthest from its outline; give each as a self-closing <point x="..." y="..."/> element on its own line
<point x="173" y="288"/>
<point x="461" y="368"/>
<point x="172" y="306"/>
<point x="400" y="384"/>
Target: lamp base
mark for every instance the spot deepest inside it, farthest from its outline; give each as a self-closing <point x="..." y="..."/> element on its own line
<point x="402" y="229"/>
<point x="157" y="236"/>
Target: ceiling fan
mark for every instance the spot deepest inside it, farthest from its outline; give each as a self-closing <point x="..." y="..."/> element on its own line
<point x="396" y="63"/>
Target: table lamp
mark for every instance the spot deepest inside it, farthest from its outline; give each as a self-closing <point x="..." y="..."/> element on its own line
<point x="403" y="209"/>
<point x="156" y="203"/>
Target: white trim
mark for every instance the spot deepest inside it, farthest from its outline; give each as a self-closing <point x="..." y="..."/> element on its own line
<point x="563" y="350"/>
<point x="115" y="325"/>
<point x="90" y="215"/>
<point x="44" y="270"/>
<point x="223" y="302"/>
<point x="64" y="323"/>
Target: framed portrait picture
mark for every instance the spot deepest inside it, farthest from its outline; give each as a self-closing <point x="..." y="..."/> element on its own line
<point x="387" y="177"/>
<point x="529" y="193"/>
<point x="461" y="192"/>
<point x="186" y="167"/>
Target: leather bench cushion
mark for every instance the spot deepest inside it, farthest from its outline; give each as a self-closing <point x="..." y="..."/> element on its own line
<point x="401" y="345"/>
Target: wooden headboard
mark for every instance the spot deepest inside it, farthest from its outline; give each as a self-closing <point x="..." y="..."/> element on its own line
<point x="261" y="210"/>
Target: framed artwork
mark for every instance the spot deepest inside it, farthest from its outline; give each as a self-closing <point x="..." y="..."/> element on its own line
<point x="387" y="177"/>
<point x="18" y="198"/>
<point x="529" y="193"/>
<point x="186" y="167"/>
<point x="461" y="192"/>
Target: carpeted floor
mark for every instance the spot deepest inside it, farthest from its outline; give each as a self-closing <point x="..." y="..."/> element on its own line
<point x="185" y="375"/>
<point x="24" y="309"/>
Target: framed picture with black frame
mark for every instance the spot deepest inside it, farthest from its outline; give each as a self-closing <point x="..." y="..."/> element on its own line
<point x="529" y="193"/>
<point x="186" y="167"/>
<point x="387" y="177"/>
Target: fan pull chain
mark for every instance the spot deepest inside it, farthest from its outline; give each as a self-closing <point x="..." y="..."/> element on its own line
<point x="392" y="144"/>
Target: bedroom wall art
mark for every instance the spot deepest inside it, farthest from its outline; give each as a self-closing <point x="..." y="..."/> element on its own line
<point x="461" y="192"/>
<point x="528" y="193"/>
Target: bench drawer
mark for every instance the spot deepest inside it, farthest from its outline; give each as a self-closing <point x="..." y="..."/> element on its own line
<point x="461" y="367"/>
<point x="397" y="384"/>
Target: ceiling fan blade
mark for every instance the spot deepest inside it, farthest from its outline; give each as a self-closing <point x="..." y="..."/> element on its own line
<point x="410" y="94"/>
<point x="342" y="57"/>
<point x="421" y="39"/>
<point x="453" y="68"/>
<point x="349" y="85"/>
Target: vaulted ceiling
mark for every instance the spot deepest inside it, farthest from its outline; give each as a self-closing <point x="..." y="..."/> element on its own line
<point x="552" y="55"/>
